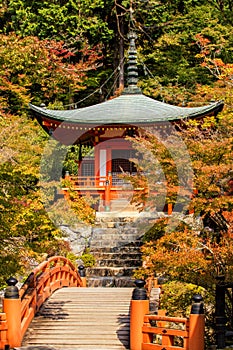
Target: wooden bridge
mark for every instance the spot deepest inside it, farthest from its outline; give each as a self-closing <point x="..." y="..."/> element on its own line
<point x="45" y="315"/>
<point x="83" y="318"/>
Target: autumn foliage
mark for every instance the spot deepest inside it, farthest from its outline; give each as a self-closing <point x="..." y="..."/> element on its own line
<point x="30" y="69"/>
<point x="50" y="53"/>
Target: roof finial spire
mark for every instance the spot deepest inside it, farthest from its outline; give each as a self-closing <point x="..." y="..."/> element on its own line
<point x="132" y="66"/>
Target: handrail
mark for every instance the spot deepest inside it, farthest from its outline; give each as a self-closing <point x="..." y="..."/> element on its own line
<point x="55" y="273"/>
<point x="161" y="332"/>
<point x="111" y="187"/>
<point x="100" y="181"/>
<point x="3" y="330"/>
<point x="89" y="181"/>
<point x="166" y="328"/>
<point x="50" y="275"/>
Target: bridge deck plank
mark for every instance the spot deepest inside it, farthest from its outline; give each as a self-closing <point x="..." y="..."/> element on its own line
<point x="82" y="318"/>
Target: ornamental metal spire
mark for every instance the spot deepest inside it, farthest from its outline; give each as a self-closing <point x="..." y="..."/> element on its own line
<point x="132" y="68"/>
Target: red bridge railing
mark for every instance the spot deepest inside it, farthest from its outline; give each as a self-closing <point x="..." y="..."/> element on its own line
<point x="160" y="332"/>
<point x="20" y="306"/>
<point x="166" y="330"/>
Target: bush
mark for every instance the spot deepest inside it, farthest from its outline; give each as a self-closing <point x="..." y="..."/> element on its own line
<point x="160" y="228"/>
<point x="87" y="258"/>
<point x="176" y="299"/>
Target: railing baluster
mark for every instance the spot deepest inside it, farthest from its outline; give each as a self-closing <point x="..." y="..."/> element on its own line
<point x="191" y="330"/>
<point x="44" y="279"/>
<point x="3" y="331"/>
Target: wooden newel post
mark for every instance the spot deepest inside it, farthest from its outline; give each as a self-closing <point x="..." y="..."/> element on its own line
<point x="110" y="178"/>
<point x="12" y="308"/>
<point x="67" y="175"/>
<point x="197" y="324"/>
<point x="82" y="274"/>
<point x="107" y="195"/>
<point x="138" y="309"/>
<point x="220" y="315"/>
<point x="169" y="209"/>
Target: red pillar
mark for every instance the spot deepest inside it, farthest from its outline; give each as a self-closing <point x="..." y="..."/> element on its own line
<point x="107" y="194"/>
<point x="12" y="309"/>
<point x="197" y="324"/>
<point x="139" y="307"/>
<point x="169" y="209"/>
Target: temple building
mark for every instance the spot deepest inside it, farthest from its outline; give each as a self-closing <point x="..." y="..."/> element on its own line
<point x="106" y="127"/>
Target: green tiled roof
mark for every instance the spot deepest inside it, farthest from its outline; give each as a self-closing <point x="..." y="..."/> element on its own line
<point x="127" y="109"/>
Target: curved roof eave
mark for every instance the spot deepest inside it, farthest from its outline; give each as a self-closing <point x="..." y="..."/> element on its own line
<point x="127" y="109"/>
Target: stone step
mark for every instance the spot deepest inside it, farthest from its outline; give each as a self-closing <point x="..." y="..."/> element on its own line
<point x="120" y="255"/>
<point x="119" y="206"/>
<point x="105" y="218"/>
<point x="99" y="243"/>
<point x="110" y="271"/>
<point x="119" y="262"/>
<point x="116" y="248"/>
<point x="127" y="219"/>
<point x="117" y="244"/>
<point x="120" y="243"/>
<point x="111" y="282"/>
<point x="109" y="244"/>
<point x="128" y="248"/>
<point x="115" y="232"/>
<point x="117" y="229"/>
<point x="119" y="236"/>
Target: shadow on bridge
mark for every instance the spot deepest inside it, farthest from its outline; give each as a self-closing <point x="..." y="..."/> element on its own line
<point x="123" y="332"/>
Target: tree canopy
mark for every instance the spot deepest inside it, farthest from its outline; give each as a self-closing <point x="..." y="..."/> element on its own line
<point x="167" y="43"/>
<point x="61" y="52"/>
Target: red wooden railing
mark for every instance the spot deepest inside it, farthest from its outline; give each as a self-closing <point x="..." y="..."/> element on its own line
<point x="55" y="273"/>
<point x="89" y="181"/>
<point x="102" y="187"/>
<point x="3" y="330"/>
<point x="111" y="187"/>
<point x="161" y="332"/>
<point x="58" y="272"/>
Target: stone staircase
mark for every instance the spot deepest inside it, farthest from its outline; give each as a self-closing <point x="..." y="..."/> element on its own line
<point x="81" y="319"/>
<point x="116" y="246"/>
<point x="123" y="205"/>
